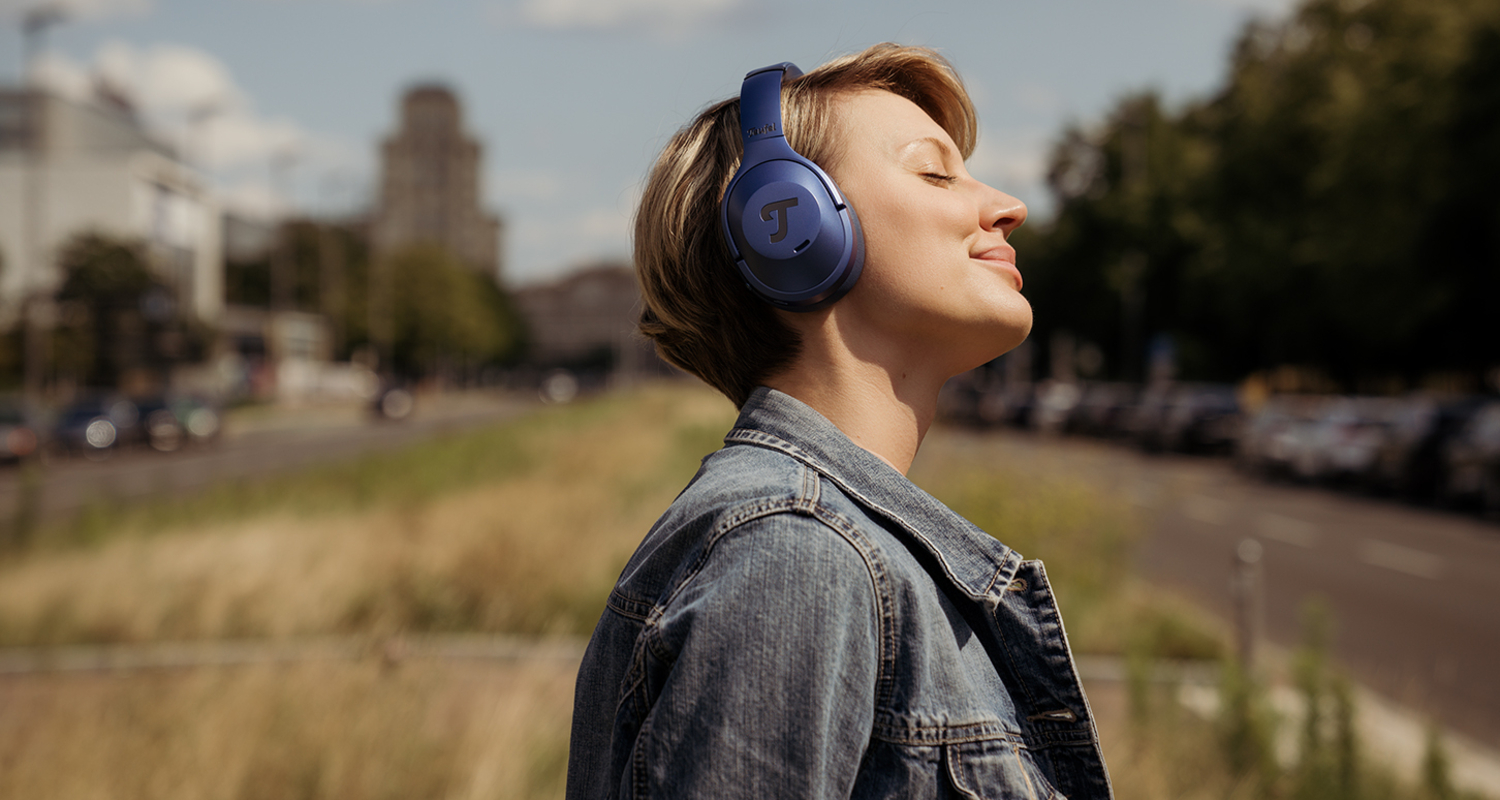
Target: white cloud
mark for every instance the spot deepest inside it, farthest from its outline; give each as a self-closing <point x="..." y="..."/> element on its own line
<point x="184" y="95"/>
<point x="189" y="99"/>
<point x="254" y="198"/>
<point x="666" y="16"/>
<point x="64" y="76"/>
<point x="170" y="78"/>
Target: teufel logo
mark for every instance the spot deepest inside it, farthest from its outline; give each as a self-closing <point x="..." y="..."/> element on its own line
<point x="779" y="209"/>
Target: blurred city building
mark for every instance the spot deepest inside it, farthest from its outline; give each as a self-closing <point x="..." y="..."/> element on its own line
<point x="586" y="322"/>
<point x="70" y="167"/>
<point x="429" y="188"/>
<point x="292" y="350"/>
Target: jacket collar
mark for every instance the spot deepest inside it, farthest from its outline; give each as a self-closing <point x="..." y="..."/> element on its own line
<point x="973" y="560"/>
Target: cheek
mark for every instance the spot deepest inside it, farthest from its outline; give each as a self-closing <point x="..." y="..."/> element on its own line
<point x="904" y="238"/>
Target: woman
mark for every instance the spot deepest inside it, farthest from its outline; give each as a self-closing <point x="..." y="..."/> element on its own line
<point x="804" y="621"/>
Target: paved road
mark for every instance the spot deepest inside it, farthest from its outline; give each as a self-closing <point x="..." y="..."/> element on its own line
<point x="258" y="442"/>
<point x="1415" y="593"/>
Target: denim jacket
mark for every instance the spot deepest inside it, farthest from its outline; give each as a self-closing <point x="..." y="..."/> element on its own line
<point x="805" y="622"/>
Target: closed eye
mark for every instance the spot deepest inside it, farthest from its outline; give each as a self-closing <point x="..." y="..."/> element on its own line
<point x="938" y="177"/>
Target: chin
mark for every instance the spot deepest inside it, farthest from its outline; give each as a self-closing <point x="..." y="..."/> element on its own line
<point x="1013" y="328"/>
<point x="1020" y="330"/>
<point x="995" y="341"/>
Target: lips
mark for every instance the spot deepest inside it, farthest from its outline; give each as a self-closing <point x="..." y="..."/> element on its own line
<point x="1002" y="256"/>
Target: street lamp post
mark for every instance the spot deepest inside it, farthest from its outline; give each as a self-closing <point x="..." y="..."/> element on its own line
<point x="34" y="26"/>
<point x="283" y="277"/>
<point x="332" y="262"/>
<point x="33" y="246"/>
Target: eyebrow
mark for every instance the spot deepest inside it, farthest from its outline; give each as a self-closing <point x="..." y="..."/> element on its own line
<point x="943" y="147"/>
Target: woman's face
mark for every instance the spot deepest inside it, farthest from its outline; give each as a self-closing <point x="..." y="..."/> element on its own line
<point x="940" y="282"/>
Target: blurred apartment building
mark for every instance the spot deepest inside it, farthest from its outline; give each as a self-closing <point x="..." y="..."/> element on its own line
<point x="69" y="167"/>
<point x="585" y="322"/>
<point x="430" y="185"/>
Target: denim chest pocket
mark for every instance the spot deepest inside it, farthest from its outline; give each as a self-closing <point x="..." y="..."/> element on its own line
<point x="994" y="769"/>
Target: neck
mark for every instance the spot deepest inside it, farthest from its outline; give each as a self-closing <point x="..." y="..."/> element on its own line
<point x="882" y="401"/>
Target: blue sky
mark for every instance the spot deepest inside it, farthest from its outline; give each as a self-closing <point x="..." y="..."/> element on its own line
<point x="284" y="102"/>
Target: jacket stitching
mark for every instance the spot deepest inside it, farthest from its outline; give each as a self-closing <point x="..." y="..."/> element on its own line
<point x="954" y="757"/>
<point x="885" y="678"/>
<point x="732" y="520"/>
<point x="746" y="436"/>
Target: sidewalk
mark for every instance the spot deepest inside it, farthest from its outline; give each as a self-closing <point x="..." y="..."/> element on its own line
<point x="430" y="407"/>
<point x="1389" y="734"/>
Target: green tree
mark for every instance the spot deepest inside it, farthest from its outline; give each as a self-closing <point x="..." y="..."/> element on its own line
<point x="1331" y="205"/>
<point x="117" y="317"/>
<point x="444" y="316"/>
<point x="1111" y="265"/>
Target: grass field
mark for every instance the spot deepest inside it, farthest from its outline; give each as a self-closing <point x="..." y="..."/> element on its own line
<point x="519" y="530"/>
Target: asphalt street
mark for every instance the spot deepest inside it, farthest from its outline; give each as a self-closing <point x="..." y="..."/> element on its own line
<point x="1414" y="592"/>
<point x="255" y="442"/>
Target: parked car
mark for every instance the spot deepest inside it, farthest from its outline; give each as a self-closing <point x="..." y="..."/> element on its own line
<point x="20" y="435"/>
<point x="200" y="419"/>
<point x="1342" y="443"/>
<point x="1101" y="411"/>
<point x="1143" y="421"/>
<point x="1472" y="461"/>
<point x="1055" y="403"/>
<point x="161" y="428"/>
<point x="171" y="422"/>
<point x="1271" y="439"/>
<point x="1013" y="404"/>
<point x="95" y="427"/>
<point x="1200" y="418"/>
<point x="1411" y="460"/>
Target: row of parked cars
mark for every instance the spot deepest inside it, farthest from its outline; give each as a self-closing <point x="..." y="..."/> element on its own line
<point x="96" y="426"/>
<point x="1442" y="449"/>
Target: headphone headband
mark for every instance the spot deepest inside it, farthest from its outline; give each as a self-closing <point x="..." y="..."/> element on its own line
<point x="760" y="104"/>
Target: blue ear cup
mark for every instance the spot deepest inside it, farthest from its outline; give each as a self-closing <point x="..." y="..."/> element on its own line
<point x="795" y="240"/>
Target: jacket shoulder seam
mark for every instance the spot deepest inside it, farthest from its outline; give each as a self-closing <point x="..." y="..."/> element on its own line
<point x="808" y="503"/>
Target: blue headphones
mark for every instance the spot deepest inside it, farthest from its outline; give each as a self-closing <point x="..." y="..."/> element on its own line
<point x="796" y="241"/>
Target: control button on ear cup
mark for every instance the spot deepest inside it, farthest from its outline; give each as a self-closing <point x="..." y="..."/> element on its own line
<point x="781" y="220"/>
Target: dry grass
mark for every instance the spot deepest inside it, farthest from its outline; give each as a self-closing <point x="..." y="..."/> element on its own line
<point x="520" y="530"/>
<point x="351" y="731"/>
<point x="530" y="553"/>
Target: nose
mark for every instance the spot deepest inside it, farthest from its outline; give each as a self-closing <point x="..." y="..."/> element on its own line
<point x="999" y="211"/>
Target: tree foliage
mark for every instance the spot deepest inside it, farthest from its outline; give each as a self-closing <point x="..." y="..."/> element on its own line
<point x="422" y="308"/>
<point x="1330" y="206"/>
<point x="443" y="314"/>
<point x="116" y="315"/>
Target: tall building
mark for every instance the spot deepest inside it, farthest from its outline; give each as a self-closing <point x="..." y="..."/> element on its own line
<point x="69" y="167"/>
<point x="429" y="189"/>
<point x="586" y="321"/>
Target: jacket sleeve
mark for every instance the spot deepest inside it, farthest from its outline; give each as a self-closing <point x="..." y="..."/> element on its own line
<point x="764" y="668"/>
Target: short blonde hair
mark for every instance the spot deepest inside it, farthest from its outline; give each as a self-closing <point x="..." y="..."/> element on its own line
<point x="695" y="305"/>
